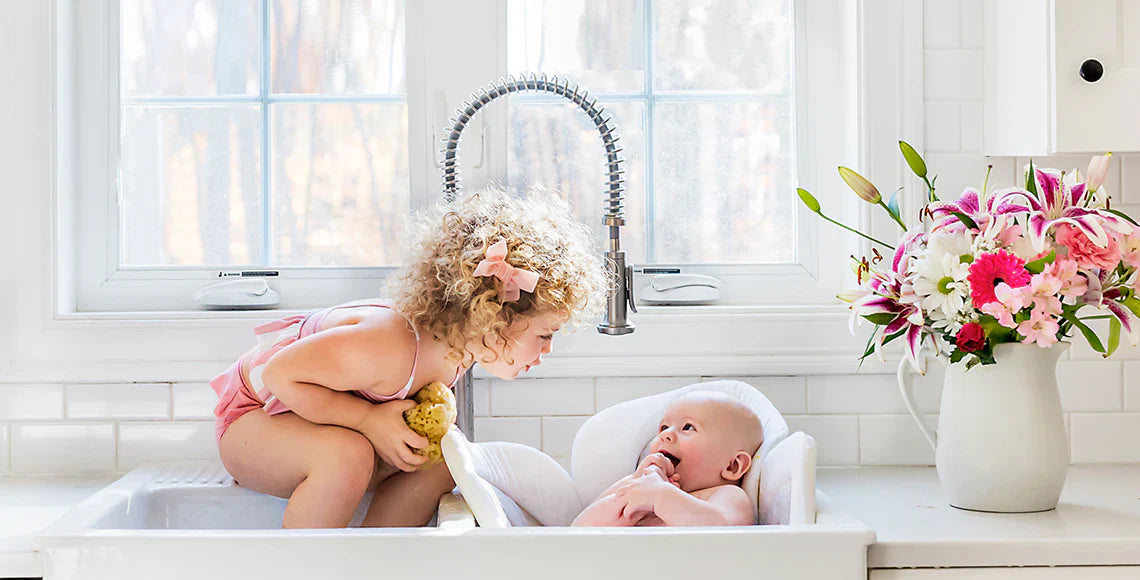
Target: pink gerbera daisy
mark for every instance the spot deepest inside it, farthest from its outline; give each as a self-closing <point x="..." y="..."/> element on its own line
<point x="989" y="270"/>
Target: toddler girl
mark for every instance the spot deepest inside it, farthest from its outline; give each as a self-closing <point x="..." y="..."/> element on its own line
<point x="314" y="413"/>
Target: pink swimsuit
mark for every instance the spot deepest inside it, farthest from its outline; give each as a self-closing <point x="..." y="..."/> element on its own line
<point x="236" y="397"/>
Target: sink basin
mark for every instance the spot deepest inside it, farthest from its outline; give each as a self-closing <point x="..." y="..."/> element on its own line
<point x="189" y="520"/>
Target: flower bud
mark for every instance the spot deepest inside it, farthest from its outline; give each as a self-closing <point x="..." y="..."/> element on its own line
<point x="859" y="184"/>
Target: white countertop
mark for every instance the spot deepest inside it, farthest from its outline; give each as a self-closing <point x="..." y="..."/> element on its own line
<point x="1096" y="523"/>
<point x="28" y="505"/>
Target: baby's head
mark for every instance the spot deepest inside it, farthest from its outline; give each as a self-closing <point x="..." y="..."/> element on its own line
<point x="710" y="437"/>
<point x="439" y="290"/>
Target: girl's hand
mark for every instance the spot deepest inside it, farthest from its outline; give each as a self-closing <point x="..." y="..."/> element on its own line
<point x="391" y="437"/>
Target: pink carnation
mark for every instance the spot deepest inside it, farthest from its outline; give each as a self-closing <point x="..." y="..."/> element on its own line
<point x="1085" y="251"/>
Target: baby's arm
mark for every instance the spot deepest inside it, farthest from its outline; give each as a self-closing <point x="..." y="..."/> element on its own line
<point x="727" y="505"/>
<point x="605" y="511"/>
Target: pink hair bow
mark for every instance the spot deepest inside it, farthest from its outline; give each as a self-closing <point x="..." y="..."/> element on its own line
<point x="514" y="279"/>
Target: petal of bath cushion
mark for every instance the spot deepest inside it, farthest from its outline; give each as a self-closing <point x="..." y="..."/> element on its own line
<point x="611" y="444"/>
<point x="541" y="488"/>
<point x="787" y="486"/>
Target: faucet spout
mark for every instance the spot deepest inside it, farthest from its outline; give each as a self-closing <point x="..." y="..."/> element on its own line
<point x="616" y="321"/>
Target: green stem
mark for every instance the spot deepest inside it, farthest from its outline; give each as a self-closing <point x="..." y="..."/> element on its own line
<point x="930" y="190"/>
<point x="893" y="216"/>
<point x="880" y="242"/>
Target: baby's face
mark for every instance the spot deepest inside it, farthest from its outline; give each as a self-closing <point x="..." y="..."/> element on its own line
<point x="695" y="436"/>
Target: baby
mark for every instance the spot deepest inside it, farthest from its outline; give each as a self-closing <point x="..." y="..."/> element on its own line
<point x="691" y="477"/>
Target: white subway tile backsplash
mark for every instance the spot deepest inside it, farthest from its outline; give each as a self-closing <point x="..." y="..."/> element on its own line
<point x="894" y="440"/>
<point x="943" y="126"/>
<point x="1105" y="437"/>
<point x="953" y="74"/>
<point x="614" y="390"/>
<point x="33" y="401"/>
<point x="194" y="401"/>
<point x="153" y="441"/>
<point x="836" y="436"/>
<point x="558" y="434"/>
<point x="118" y="401"/>
<point x="862" y="394"/>
<point x="957" y="171"/>
<point x="1132" y="386"/>
<point x="972" y="129"/>
<point x="525" y="430"/>
<point x="1089" y="386"/>
<point x="481" y="397"/>
<point x="530" y="397"/>
<point x="66" y="448"/>
<point x="787" y="394"/>
<point x="973" y="33"/>
<point x="1129" y="175"/>
<point x="942" y="24"/>
<point x="3" y="448"/>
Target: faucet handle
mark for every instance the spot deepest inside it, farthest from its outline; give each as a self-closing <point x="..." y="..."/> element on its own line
<point x="629" y="289"/>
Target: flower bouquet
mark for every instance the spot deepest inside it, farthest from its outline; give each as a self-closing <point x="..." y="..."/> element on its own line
<point x="1021" y="264"/>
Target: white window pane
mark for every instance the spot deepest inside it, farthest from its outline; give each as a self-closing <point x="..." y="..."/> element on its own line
<point x="723" y="45"/>
<point x="340" y="184"/>
<point x="189" y="47"/>
<point x="191" y="186"/>
<point x="337" y="47"/>
<point x="557" y="147"/>
<point x="600" y="45"/>
<point x="724" y="182"/>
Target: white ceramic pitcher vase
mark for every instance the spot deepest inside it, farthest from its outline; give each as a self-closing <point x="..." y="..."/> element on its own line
<point x="1001" y="443"/>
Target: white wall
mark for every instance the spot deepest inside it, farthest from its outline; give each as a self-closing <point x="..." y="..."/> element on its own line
<point x="857" y="419"/>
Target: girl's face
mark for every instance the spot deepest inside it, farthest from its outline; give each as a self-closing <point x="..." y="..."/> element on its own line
<point x="527" y="340"/>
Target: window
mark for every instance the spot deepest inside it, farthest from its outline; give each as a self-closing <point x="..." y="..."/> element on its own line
<point x="297" y="136"/>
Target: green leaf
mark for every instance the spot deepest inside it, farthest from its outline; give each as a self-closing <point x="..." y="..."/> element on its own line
<point x="994" y="331"/>
<point x="913" y="159"/>
<point x="957" y="355"/>
<point x="1031" y="179"/>
<point x="1037" y="266"/>
<point x="1132" y="304"/>
<point x="970" y="223"/>
<point x="1123" y="215"/>
<point x="881" y="318"/>
<point x="1090" y="336"/>
<point x="1113" y="336"/>
<point x="808" y="199"/>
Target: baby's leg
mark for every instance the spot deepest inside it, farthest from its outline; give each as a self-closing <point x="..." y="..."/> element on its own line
<point x="324" y="470"/>
<point x="409" y="499"/>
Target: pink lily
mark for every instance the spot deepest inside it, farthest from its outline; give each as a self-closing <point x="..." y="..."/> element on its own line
<point x="1056" y="202"/>
<point x="1098" y="169"/>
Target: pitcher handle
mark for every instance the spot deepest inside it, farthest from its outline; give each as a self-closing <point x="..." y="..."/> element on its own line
<point x="906" y="386"/>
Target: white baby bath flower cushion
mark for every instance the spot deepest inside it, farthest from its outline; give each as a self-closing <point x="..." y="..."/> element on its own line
<point x="608" y="447"/>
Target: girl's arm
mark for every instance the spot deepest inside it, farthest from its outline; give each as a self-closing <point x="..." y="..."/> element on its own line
<point x="310" y="375"/>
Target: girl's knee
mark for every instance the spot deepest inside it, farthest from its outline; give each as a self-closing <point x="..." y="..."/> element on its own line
<point x="348" y="457"/>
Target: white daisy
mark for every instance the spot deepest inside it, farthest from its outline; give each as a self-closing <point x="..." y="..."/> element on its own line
<point x="941" y="282"/>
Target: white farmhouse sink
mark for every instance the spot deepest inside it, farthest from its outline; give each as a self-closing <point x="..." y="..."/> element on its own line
<point x="189" y="520"/>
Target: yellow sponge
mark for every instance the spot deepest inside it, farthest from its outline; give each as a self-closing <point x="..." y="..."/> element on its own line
<point x="431" y="418"/>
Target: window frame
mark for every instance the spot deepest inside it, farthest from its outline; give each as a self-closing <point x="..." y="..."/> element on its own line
<point x="51" y="340"/>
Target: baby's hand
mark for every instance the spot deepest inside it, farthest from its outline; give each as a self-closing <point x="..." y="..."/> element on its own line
<point x="655" y="463"/>
<point x="640" y="495"/>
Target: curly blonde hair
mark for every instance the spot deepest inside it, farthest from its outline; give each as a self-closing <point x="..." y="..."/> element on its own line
<point x="437" y="288"/>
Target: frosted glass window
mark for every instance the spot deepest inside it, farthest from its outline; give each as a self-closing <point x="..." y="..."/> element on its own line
<point x="262" y="133"/>
<point x="703" y="96"/>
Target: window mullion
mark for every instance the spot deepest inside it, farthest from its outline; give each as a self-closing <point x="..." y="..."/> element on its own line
<point x="266" y="152"/>
<point x="650" y="145"/>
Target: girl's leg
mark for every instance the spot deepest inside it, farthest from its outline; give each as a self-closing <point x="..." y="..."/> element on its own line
<point x="408" y="499"/>
<point x="324" y="470"/>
